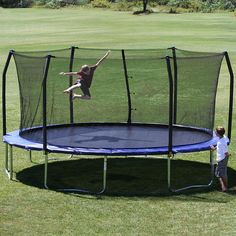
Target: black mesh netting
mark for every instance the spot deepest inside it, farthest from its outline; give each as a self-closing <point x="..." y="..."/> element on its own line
<point x="195" y="87"/>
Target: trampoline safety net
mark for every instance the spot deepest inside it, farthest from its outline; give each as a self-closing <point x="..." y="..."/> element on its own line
<point x="143" y="94"/>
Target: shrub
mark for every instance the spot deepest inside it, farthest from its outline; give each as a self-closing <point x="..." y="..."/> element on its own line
<point x="123" y="5"/>
<point x="60" y="3"/>
<point x="100" y="4"/>
<point x="184" y="3"/>
<point x="54" y="4"/>
<point x="16" y="3"/>
<point x="228" y="5"/>
<point x="75" y="2"/>
<point x="40" y="2"/>
<point x="163" y="2"/>
<point x="210" y="6"/>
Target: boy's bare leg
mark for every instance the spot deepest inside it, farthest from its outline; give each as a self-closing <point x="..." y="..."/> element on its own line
<point x="225" y="181"/>
<point x="81" y="96"/>
<point x="223" y="184"/>
<point x="72" y="87"/>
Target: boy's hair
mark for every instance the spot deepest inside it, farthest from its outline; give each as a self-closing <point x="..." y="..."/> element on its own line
<point x="220" y="130"/>
<point x="85" y="68"/>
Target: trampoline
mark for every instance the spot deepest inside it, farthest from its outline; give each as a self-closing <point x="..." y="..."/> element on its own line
<point x="165" y="119"/>
<point x="113" y="139"/>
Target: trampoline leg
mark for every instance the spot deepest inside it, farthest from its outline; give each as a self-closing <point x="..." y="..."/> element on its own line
<point x="71" y="156"/>
<point x="6" y="159"/>
<point x="168" y="171"/>
<point x="200" y="185"/>
<point x="104" y="175"/>
<point x="11" y="162"/>
<point x="88" y="191"/>
<point x="45" y="170"/>
<point x="71" y="189"/>
<point x="212" y="167"/>
<point x="9" y="168"/>
<point x="30" y="156"/>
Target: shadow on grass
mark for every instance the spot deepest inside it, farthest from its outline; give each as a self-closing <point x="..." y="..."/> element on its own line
<point x="125" y="176"/>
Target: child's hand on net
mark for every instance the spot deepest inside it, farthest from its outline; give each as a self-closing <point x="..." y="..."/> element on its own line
<point x="227" y="154"/>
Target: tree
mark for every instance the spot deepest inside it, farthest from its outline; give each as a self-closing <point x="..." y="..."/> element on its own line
<point x="15" y="3"/>
<point x="145" y="3"/>
<point x="145" y="10"/>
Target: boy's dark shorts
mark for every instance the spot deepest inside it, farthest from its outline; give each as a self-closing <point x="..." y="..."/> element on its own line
<point x="221" y="169"/>
<point x="84" y="87"/>
<point x="85" y="90"/>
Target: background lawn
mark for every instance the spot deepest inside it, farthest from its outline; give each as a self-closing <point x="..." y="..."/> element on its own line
<point x="136" y="202"/>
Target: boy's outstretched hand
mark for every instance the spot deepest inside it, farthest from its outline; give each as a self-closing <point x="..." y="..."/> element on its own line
<point x="213" y="147"/>
<point x="108" y="52"/>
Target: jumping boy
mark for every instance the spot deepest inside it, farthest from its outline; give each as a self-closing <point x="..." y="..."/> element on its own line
<point x="84" y="79"/>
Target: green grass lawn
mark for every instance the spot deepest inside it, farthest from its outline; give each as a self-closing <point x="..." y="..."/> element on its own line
<point x="136" y="202"/>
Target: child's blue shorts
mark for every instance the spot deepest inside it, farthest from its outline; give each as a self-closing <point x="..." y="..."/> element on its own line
<point x="221" y="169"/>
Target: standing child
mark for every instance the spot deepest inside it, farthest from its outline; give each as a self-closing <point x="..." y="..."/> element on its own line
<point x="84" y="79"/>
<point x="222" y="155"/>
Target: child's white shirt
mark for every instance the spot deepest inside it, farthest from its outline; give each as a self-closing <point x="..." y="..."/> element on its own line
<point x="221" y="148"/>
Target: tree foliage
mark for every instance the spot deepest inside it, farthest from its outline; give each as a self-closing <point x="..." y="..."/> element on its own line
<point x="195" y="5"/>
<point x="16" y="3"/>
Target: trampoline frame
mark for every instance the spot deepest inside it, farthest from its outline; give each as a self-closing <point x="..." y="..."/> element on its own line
<point x="172" y="121"/>
<point x="10" y="173"/>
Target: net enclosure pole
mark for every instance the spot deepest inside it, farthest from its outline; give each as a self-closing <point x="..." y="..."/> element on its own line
<point x="4" y="78"/>
<point x="127" y="86"/>
<point x="71" y="82"/>
<point x="45" y="75"/>
<point x="170" y="77"/>
<point x="170" y="127"/>
<point x="231" y="94"/>
<point x="175" y="86"/>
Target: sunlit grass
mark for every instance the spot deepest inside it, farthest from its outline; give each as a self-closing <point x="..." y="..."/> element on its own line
<point x="137" y="201"/>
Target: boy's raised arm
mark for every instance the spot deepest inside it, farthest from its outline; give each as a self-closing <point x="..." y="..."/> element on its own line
<point x="68" y="73"/>
<point x="103" y="58"/>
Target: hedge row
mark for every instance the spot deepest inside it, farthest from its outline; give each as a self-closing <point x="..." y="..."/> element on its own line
<point x="194" y="5"/>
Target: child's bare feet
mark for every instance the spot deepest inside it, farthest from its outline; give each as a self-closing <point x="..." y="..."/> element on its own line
<point x="76" y="96"/>
<point x="81" y="96"/>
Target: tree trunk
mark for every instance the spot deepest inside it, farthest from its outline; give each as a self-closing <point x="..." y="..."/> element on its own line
<point x="145" y="2"/>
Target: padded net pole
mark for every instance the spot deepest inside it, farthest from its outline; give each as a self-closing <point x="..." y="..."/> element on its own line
<point x="170" y="104"/>
<point x="47" y="63"/>
<point x="170" y="121"/>
<point x="231" y="94"/>
<point x="4" y="76"/>
<point x="127" y="87"/>
<point x="46" y="68"/>
<point x="175" y="83"/>
<point x="71" y="82"/>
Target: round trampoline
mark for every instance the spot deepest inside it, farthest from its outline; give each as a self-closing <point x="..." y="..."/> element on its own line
<point x="144" y="102"/>
<point x="113" y="139"/>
